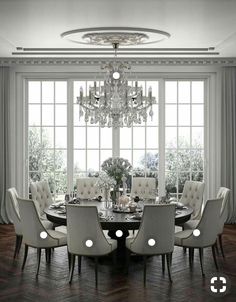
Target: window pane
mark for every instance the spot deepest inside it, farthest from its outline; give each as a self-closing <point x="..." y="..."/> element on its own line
<point x="77" y="120"/>
<point x="197" y="115"/>
<point x="138" y="137"/>
<point x="139" y="158"/>
<point x="184" y="115"/>
<point x="125" y="137"/>
<point x="93" y="160"/>
<point x="47" y="161"/>
<point x="106" y="137"/>
<point x="47" y="92"/>
<point x="60" y="115"/>
<point x="105" y="154"/>
<point x="79" y="161"/>
<point x="154" y="121"/>
<point x="197" y="91"/>
<point x="48" y="137"/>
<point x="171" y="91"/>
<point x="79" y="137"/>
<point x="34" y="115"/>
<point x="171" y="137"/>
<point x="61" y="92"/>
<point x="184" y="162"/>
<point x="61" y="137"/>
<point x="171" y="183"/>
<point x="183" y="177"/>
<point x="34" y="92"/>
<point x="126" y="154"/>
<point x="197" y="160"/>
<point x="171" y="115"/>
<point x="61" y="160"/>
<point x="171" y="163"/>
<point x="197" y="137"/>
<point x="47" y="115"/>
<point x="152" y="137"/>
<point x="92" y="137"/>
<point x="151" y="160"/>
<point x="184" y="137"/>
<point x="184" y="92"/>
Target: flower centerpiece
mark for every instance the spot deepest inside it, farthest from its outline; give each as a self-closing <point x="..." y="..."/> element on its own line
<point x="117" y="168"/>
<point x="105" y="183"/>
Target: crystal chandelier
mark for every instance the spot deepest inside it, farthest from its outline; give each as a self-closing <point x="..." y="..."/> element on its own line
<point x="116" y="103"/>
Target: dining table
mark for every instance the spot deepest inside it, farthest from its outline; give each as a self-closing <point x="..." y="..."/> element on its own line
<point x="117" y="219"/>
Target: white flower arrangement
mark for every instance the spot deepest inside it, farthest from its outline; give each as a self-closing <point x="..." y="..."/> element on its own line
<point x="105" y="181"/>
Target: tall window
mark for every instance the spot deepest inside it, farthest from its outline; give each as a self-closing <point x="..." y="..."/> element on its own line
<point x="184" y="133"/>
<point x="177" y="143"/>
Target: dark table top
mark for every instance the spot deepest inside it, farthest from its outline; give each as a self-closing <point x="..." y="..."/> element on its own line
<point x="112" y="220"/>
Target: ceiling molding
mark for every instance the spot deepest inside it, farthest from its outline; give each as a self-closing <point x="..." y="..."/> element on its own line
<point x="132" y="61"/>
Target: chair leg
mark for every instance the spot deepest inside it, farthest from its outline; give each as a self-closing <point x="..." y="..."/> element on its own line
<point x="168" y="260"/>
<point x="163" y="263"/>
<point x="191" y="257"/>
<point x="18" y="245"/>
<point x="38" y="260"/>
<point x="214" y="256"/>
<point x="79" y="264"/>
<point x="25" y="256"/>
<point x="96" y="271"/>
<point x="69" y="259"/>
<point x="72" y="265"/>
<point x="216" y="248"/>
<point x="48" y="255"/>
<point x="144" y="269"/>
<point x="201" y="260"/>
<point x="221" y="245"/>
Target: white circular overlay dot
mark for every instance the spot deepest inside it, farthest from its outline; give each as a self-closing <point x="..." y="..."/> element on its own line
<point x="116" y="75"/>
<point x="151" y="242"/>
<point x="119" y="233"/>
<point x="196" y="233"/>
<point x="89" y="243"/>
<point x="43" y="235"/>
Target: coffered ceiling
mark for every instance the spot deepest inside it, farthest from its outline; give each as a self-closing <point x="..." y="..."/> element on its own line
<point x="197" y="28"/>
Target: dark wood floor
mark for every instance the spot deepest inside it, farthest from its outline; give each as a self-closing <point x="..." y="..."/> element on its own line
<point x="113" y="284"/>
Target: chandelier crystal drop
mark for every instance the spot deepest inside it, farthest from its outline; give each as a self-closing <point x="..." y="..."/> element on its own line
<point x="116" y="103"/>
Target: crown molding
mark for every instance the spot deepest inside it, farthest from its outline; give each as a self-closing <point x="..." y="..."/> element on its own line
<point x="132" y="61"/>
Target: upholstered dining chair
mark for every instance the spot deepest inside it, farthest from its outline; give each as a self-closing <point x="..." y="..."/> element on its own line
<point x="143" y="187"/>
<point x="86" y="188"/>
<point x="222" y="193"/>
<point x="85" y="236"/>
<point x="155" y="235"/>
<point x="204" y="234"/>
<point x="35" y="234"/>
<point x="15" y="216"/>
<point x="193" y="196"/>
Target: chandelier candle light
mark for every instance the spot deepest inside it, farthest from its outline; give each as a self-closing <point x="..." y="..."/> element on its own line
<point x="116" y="104"/>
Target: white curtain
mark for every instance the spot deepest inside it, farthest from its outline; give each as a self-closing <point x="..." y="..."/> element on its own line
<point x="228" y="137"/>
<point x="4" y="142"/>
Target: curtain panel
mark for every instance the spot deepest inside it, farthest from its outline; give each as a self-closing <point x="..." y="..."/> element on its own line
<point x="228" y="138"/>
<point x="4" y="142"/>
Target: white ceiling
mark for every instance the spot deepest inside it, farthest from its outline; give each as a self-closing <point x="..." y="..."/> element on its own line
<point x="192" y="24"/>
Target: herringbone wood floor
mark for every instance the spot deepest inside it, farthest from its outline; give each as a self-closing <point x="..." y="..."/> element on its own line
<point x="113" y="284"/>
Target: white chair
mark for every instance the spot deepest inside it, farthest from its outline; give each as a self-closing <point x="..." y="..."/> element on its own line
<point x="144" y="187"/>
<point x="86" y="188"/>
<point x="155" y="235"/>
<point x="41" y="194"/>
<point x="35" y="234"/>
<point x="222" y="193"/>
<point x="85" y="236"/>
<point x="205" y="233"/>
<point x="193" y="196"/>
<point x="15" y="216"/>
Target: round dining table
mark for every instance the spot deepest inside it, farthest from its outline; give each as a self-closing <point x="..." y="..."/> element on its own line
<point x="114" y="220"/>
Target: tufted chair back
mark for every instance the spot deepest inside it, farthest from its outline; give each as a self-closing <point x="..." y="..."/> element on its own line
<point x="86" y="188"/>
<point x="143" y="187"/>
<point x="14" y="210"/>
<point x="193" y="196"/>
<point x="82" y="225"/>
<point x="158" y="223"/>
<point x="223" y="193"/>
<point x="41" y="195"/>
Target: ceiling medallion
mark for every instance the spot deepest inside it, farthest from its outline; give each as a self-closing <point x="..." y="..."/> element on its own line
<point x="119" y="101"/>
<point x="125" y="36"/>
